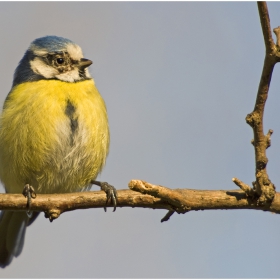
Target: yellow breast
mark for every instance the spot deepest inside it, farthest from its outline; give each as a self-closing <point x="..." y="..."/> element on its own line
<point x="54" y="135"/>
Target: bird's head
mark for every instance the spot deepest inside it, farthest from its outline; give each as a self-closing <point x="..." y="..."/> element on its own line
<point x="52" y="57"/>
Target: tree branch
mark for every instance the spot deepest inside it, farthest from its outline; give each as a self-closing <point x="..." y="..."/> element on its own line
<point x="263" y="189"/>
<point x="185" y="200"/>
<point x="141" y="195"/>
<point x="265" y="23"/>
<point x="55" y="204"/>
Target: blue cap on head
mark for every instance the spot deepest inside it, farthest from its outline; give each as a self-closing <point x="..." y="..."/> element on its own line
<point x="50" y="43"/>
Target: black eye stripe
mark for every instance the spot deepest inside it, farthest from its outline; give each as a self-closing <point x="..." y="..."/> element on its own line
<point x="57" y="59"/>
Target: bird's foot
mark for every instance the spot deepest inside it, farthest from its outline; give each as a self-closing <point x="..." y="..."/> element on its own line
<point x="110" y="191"/>
<point x="29" y="192"/>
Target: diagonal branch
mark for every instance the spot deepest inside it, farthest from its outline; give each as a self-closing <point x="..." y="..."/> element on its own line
<point x="265" y="23"/>
<point x="263" y="187"/>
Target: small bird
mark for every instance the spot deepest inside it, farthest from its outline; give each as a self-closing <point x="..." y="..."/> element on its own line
<point x="54" y="133"/>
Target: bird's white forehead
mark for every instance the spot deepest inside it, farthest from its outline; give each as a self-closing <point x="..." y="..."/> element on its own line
<point x="73" y="50"/>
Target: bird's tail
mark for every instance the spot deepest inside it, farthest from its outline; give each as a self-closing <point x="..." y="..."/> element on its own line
<point x="12" y="231"/>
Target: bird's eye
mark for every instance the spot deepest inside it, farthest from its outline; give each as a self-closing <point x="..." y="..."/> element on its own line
<point x="60" y="60"/>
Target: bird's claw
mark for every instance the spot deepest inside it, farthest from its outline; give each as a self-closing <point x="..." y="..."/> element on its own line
<point x="110" y="191"/>
<point x="29" y="192"/>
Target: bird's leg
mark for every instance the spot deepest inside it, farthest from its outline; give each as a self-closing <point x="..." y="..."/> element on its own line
<point x="29" y="192"/>
<point x="110" y="191"/>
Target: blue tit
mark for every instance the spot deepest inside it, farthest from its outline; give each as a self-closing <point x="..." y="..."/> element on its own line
<point x="54" y="133"/>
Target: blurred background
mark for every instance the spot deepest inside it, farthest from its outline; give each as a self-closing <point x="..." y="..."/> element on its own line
<point x="178" y="80"/>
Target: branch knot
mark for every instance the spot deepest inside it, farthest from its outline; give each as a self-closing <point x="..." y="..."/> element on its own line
<point x="52" y="214"/>
<point x="253" y="119"/>
<point x="268" y="138"/>
<point x="261" y="163"/>
<point x="276" y="31"/>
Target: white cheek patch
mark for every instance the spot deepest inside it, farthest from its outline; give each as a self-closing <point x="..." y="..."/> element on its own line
<point x="74" y="51"/>
<point x="69" y="76"/>
<point x="87" y="73"/>
<point x="41" y="68"/>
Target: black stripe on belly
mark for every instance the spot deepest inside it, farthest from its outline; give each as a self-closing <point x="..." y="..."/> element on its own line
<point x="70" y="111"/>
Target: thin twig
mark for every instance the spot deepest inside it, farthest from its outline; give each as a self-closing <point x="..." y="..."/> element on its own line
<point x="265" y="23"/>
<point x="276" y="31"/>
<point x="167" y="216"/>
<point x="246" y="188"/>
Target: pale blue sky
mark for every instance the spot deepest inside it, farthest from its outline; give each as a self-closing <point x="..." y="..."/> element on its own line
<point x="178" y="80"/>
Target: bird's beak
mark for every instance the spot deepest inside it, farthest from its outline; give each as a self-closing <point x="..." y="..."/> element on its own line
<point x="84" y="63"/>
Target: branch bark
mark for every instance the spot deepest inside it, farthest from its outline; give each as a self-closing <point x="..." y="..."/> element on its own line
<point x="141" y="195"/>
<point x="263" y="189"/>
<point x="55" y="204"/>
<point x="265" y="23"/>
